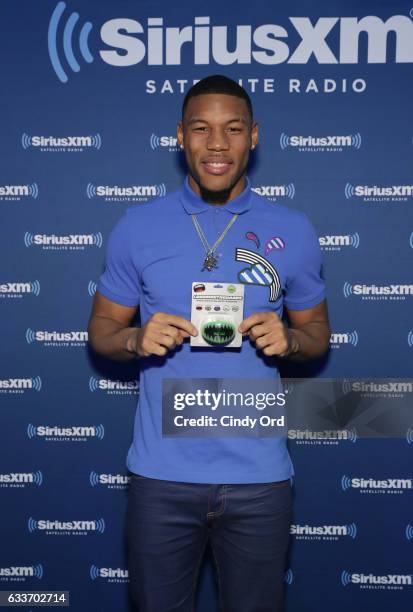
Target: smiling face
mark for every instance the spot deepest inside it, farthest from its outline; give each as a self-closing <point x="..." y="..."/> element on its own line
<point x="217" y="134"/>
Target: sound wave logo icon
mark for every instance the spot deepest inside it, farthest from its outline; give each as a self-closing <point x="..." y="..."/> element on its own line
<point x="31" y="525"/>
<point x="290" y="190"/>
<point x="92" y="288"/>
<point x="356" y="140"/>
<point x="33" y="190"/>
<point x="93" y="479"/>
<point x="411" y="240"/>
<point x="345" y="483"/>
<point x="26" y="141"/>
<point x="345" y="578"/>
<point x="409" y="532"/>
<point x="161" y="190"/>
<point x="353" y="338"/>
<point x="409" y="436"/>
<point x="355" y="240"/>
<point x="28" y="239"/>
<point x="35" y="288"/>
<point x="30" y="336"/>
<point x="284" y="141"/>
<point x="289" y="576"/>
<point x="97" y="240"/>
<point x="347" y="289"/>
<point x="352" y="435"/>
<point x="94" y="572"/>
<point x="67" y="43"/>
<point x="37" y="383"/>
<point x="349" y="191"/>
<point x="90" y="191"/>
<point x="93" y="384"/>
<point x="155" y="142"/>
<point x="352" y="530"/>
<point x="100" y="431"/>
<point x="31" y="431"/>
<point x="38" y="571"/>
<point x="38" y="478"/>
<point x="96" y="141"/>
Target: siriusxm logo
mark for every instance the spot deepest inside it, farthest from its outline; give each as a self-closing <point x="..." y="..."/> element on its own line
<point x="113" y="387"/>
<point x="75" y="433"/>
<point x="66" y="527"/>
<point x="20" y="573"/>
<point x="372" y="388"/>
<point x="129" y="42"/>
<point x="68" y="144"/>
<point x="133" y="193"/>
<point x="325" y="437"/>
<point x="323" y="532"/>
<point x="370" y="485"/>
<point x="70" y="242"/>
<point x="387" y="581"/>
<point x="166" y="142"/>
<point x="409" y="532"/>
<point x="17" y="192"/>
<point x="374" y="193"/>
<point x="20" y="385"/>
<point x="55" y="338"/>
<point x="109" y="574"/>
<point x="19" y="289"/>
<point x="21" y="479"/>
<point x="275" y="192"/>
<point x="320" y="143"/>
<point x="336" y="242"/>
<point x="337" y="339"/>
<point x="110" y="481"/>
<point x="378" y="292"/>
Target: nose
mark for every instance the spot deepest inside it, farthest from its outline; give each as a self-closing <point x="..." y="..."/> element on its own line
<point x="217" y="140"/>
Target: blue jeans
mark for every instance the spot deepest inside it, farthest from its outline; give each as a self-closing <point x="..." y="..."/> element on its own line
<point x="169" y="524"/>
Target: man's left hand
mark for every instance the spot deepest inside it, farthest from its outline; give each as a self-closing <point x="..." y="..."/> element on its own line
<point x="269" y="333"/>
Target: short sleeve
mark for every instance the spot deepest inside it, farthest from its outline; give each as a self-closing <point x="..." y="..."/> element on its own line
<point x="120" y="280"/>
<point x="305" y="287"/>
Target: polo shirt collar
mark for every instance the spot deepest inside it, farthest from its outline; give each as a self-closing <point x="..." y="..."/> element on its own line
<point x="194" y="204"/>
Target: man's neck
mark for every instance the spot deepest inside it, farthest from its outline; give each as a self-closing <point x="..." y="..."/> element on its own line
<point x="218" y="198"/>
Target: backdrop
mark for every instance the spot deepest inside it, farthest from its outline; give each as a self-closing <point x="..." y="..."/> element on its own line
<point x="91" y="93"/>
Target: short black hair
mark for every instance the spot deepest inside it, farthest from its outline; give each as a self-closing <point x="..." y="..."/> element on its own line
<point x="217" y="84"/>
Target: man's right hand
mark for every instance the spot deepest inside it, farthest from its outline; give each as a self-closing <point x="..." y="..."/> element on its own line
<point x="161" y="333"/>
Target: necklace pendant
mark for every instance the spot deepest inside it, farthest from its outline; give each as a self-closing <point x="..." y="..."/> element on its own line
<point x="210" y="262"/>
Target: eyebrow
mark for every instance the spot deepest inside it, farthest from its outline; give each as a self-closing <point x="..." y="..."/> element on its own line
<point x="200" y="120"/>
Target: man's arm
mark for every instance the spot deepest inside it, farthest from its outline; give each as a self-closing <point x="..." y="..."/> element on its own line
<point x="109" y="328"/>
<point x="307" y="336"/>
<point x="110" y="333"/>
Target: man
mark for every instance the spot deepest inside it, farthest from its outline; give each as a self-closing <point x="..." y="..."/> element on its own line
<point x="233" y="491"/>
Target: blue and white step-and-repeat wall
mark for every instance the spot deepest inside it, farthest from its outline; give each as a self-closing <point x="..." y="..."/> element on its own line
<point x="91" y="93"/>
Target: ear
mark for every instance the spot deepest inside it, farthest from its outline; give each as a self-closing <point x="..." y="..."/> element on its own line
<point x="254" y="134"/>
<point x="180" y="134"/>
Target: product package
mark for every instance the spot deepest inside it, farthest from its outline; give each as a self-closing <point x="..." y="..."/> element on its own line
<point x="217" y="311"/>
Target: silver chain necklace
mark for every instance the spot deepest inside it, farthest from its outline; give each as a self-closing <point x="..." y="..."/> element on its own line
<point x="210" y="261"/>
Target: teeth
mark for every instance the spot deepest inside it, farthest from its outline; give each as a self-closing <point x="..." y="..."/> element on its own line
<point x="216" y="164"/>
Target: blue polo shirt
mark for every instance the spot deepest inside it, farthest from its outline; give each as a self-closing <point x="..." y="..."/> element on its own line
<point x="153" y="255"/>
